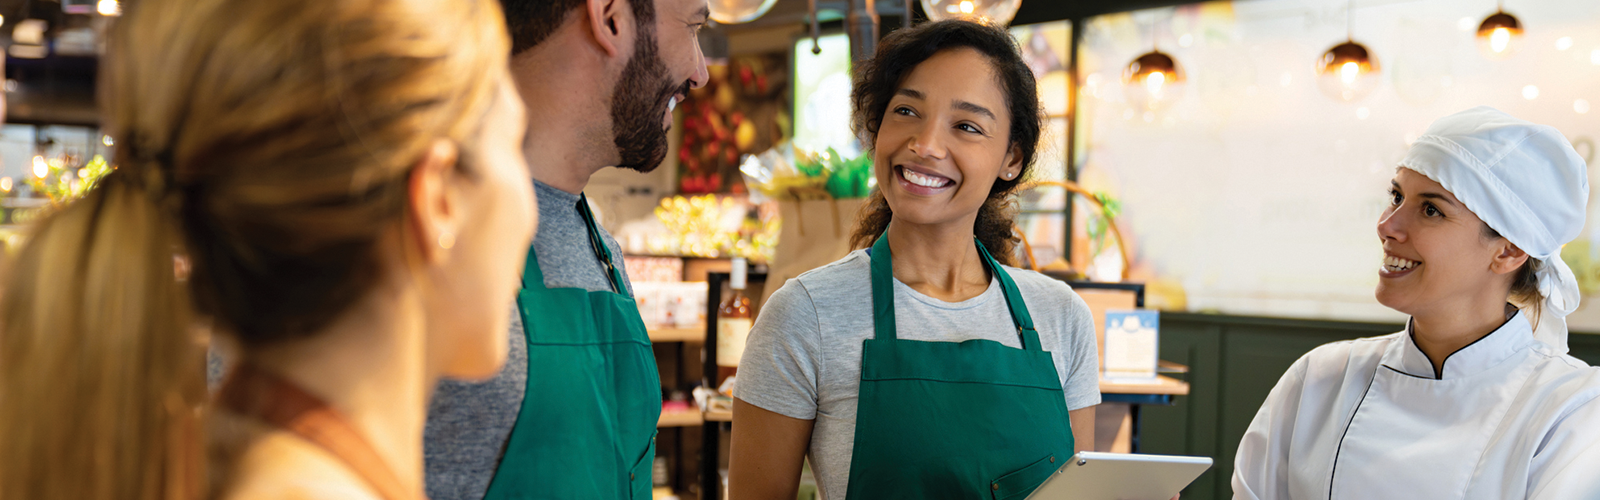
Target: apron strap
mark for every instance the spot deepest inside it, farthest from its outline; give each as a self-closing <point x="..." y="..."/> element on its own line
<point x="883" y="294"/>
<point x="1019" y="310"/>
<point x="255" y="393"/>
<point x="533" y="277"/>
<point x="601" y="252"/>
<point x="882" y="289"/>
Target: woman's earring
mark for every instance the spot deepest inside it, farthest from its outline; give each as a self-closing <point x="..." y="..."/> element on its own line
<point x="447" y="239"/>
<point x="1009" y="175"/>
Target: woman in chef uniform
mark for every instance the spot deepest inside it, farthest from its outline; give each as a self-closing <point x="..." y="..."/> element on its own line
<point x="1477" y="398"/>
<point x="923" y="367"/>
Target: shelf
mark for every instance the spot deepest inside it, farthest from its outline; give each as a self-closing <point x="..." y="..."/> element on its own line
<point x="1162" y="385"/>
<point x="691" y="334"/>
<point x="679" y="418"/>
<point x="719" y="416"/>
<point x="1164" y="366"/>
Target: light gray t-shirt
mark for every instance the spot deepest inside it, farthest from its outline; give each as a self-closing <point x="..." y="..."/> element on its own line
<point x="803" y="357"/>
<point x="469" y="423"/>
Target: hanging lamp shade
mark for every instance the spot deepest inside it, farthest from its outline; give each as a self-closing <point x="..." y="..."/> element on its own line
<point x="1348" y="72"/>
<point x="1499" y="35"/>
<point x="738" y="11"/>
<point x="998" y="12"/>
<point x="1153" y="81"/>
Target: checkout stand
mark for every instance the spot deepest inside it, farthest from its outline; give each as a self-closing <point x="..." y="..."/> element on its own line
<point x="1116" y="418"/>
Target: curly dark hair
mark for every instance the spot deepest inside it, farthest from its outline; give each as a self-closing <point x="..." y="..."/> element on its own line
<point x="877" y="80"/>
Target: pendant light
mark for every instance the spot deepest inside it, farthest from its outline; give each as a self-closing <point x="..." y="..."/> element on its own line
<point x="738" y="11"/>
<point x="997" y="12"/>
<point x="1153" y="80"/>
<point x="1499" y="35"/>
<point x="1348" y="71"/>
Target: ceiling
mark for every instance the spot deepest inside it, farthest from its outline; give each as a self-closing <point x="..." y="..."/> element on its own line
<point x="786" y="12"/>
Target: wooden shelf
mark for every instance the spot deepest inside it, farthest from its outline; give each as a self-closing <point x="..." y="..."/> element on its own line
<point x="679" y="418"/>
<point x="691" y="334"/>
<point x="1161" y="385"/>
<point x="718" y="416"/>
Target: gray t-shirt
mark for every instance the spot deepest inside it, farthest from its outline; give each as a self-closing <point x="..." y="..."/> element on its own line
<point x="803" y="357"/>
<point x="469" y="423"/>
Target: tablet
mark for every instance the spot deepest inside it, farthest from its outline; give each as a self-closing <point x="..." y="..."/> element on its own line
<point x="1121" y="476"/>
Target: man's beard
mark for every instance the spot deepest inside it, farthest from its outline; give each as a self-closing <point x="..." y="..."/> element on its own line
<point x="638" y="105"/>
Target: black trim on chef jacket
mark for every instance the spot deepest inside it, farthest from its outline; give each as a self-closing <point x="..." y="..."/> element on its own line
<point x="1334" y="471"/>
<point x="1438" y="373"/>
<point x="1397" y="370"/>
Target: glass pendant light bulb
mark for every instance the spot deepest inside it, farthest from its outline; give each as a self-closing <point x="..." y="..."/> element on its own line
<point x="997" y="12"/>
<point x="1499" y="36"/>
<point x="738" y="11"/>
<point x="1348" y="72"/>
<point x="1153" y="81"/>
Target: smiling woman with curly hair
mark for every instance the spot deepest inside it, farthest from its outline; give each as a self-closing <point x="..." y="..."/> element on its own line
<point x="921" y="365"/>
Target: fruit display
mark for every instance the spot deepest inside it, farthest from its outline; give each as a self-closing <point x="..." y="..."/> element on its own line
<point x="717" y="226"/>
<point x="741" y="110"/>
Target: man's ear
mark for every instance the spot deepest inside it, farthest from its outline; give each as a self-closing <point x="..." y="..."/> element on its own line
<point x="1509" y="258"/>
<point x="605" y="22"/>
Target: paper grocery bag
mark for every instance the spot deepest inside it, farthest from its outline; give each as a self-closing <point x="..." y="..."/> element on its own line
<point x="815" y="232"/>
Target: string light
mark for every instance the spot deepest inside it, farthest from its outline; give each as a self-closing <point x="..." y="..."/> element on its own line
<point x="1154" y="81"/>
<point x="1499" y="35"/>
<point x="738" y="11"/>
<point x="40" y="168"/>
<point x="109" y="8"/>
<point x="6" y="184"/>
<point x="1348" y="71"/>
<point x="998" y="12"/>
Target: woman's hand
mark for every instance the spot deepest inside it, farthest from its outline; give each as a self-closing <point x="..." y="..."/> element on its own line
<point x="767" y="451"/>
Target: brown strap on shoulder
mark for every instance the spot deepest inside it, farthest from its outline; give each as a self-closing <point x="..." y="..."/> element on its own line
<point x="280" y="403"/>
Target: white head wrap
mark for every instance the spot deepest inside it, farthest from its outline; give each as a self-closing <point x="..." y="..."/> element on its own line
<point x="1526" y="182"/>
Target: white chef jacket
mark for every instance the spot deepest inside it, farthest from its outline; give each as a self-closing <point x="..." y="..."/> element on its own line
<point x="1510" y="417"/>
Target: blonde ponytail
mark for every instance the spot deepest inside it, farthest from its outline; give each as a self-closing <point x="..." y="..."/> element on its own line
<point x="98" y="366"/>
<point x="269" y="143"/>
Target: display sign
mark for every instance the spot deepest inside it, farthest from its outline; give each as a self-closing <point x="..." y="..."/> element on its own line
<point x="1132" y="344"/>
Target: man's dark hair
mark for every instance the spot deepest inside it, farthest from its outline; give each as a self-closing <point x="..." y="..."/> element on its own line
<point x="532" y="21"/>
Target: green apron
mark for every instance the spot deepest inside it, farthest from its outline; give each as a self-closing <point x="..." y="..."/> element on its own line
<point x="974" y="419"/>
<point x="588" y="421"/>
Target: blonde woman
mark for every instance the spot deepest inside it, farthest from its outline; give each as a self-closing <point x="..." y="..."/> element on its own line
<point x="345" y="179"/>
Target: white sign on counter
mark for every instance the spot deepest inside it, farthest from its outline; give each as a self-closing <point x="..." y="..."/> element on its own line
<point x="1132" y="344"/>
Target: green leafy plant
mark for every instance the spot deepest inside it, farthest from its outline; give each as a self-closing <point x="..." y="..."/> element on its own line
<point x="846" y="177"/>
<point x="1097" y="225"/>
